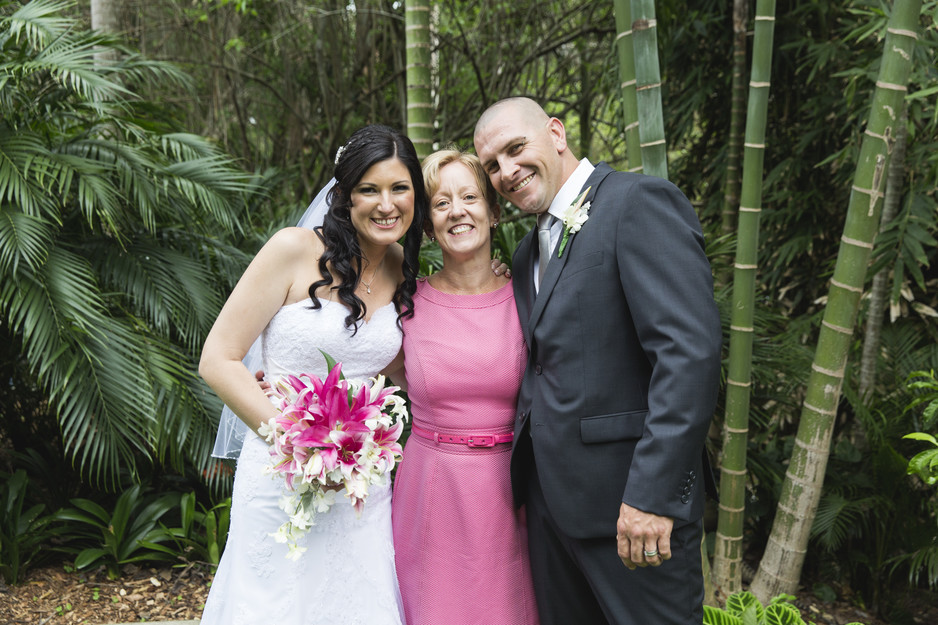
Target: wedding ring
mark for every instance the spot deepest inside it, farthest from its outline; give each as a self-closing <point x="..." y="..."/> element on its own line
<point x="651" y="554"/>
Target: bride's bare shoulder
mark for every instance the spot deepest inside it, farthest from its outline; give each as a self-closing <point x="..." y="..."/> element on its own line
<point x="294" y="242"/>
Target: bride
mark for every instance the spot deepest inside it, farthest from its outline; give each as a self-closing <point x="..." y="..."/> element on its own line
<point x="343" y="289"/>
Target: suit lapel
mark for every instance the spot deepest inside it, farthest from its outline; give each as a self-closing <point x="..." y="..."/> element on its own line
<point x="556" y="265"/>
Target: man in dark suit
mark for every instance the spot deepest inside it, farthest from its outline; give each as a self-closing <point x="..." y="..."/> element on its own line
<point x="621" y="380"/>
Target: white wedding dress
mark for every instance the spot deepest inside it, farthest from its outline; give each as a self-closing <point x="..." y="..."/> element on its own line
<point x="346" y="576"/>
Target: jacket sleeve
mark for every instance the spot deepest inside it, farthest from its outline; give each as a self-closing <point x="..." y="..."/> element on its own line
<point x="667" y="281"/>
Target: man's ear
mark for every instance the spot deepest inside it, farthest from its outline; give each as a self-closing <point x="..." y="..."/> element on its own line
<point x="558" y="133"/>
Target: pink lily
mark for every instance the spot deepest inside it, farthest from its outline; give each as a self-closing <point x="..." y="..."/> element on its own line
<point x="348" y="447"/>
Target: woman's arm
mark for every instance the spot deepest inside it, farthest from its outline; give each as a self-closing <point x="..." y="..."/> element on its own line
<point x="265" y="286"/>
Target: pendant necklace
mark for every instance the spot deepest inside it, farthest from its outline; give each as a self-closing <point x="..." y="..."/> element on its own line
<point x="373" y="276"/>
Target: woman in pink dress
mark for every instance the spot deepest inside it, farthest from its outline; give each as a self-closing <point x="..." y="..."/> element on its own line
<point x="461" y="547"/>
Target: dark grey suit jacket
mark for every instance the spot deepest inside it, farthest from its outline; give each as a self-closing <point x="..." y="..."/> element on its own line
<point x="624" y="359"/>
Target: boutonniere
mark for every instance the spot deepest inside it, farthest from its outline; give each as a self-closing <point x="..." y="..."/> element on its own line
<point x="573" y="219"/>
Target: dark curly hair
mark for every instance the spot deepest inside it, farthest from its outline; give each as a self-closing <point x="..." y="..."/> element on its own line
<point x="367" y="146"/>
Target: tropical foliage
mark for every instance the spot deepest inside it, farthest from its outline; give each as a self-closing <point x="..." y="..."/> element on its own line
<point x="24" y="531"/>
<point x="112" y="538"/>
<point x="110" y="272"/>
<point x="742" y="608"/>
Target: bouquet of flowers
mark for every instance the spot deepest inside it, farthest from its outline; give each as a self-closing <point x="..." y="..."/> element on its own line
<point x="330" y="434"/>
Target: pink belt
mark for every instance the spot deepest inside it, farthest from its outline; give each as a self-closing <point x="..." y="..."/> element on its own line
<point x="472" y="440"/>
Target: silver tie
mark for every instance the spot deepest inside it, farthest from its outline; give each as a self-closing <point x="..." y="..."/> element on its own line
<point x="544" y="223"/>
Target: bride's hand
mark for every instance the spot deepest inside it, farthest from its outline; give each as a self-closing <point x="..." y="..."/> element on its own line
<point x="264" y="384"/>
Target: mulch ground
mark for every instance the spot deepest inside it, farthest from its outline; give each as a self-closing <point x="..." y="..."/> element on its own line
<point x="51" y="595"/>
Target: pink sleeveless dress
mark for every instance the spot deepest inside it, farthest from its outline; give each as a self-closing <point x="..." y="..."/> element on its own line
<point x="460" y="546"/>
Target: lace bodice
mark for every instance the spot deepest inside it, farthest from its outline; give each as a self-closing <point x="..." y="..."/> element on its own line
<point x="293" y="338"/>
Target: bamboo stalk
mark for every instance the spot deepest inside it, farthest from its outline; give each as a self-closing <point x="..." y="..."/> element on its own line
<point x="648" y="89"/>
<point x="626" y="54"/>
<point x="734" y="148"/>
<point x="780" y="568"/>
<point x="727" y="560"/>
<point x="879" y="290"/>
<point x="419" y="103"/>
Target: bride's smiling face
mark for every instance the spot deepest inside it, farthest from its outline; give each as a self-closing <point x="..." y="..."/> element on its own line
<point x="383" y="203"/>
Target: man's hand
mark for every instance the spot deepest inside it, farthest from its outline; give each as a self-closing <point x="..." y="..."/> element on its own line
<point x="643" y="538"/>
<point x="499" y="268"/>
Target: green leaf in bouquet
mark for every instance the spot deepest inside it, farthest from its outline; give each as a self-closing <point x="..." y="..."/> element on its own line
<point x="330" y="363"/>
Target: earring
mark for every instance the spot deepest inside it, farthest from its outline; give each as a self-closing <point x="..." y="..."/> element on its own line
<point x="495" y="225"/>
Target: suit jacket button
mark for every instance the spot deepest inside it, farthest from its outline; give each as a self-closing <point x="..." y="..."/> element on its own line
<point x="687" y="491"/>
<point x="537" y="369"/>
<point x="684" y="498"/>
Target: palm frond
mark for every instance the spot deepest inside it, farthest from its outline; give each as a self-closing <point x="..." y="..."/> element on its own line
<point x="838" y="518"/>
<point x="104" y="403"/>
<point x="200" y="182"/>
<point x="190" y="413"/>
<point x="70" y="60"/>
<point x="226" y="260"/>
<point x="26" y="167"/>
<point x="923" y="561"/>
<point x="23" y="238"/>
<point x="139" y="70"/>
<point x="135" y="173"/>
<point x="173" y="291"/>
<point x="90" y="363"/>
<point x="36" y="22"/>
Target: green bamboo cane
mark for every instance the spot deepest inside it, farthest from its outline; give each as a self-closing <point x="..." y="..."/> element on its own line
<point x="419" y="105"/>
<point x="626" y="52"/>
<point x="727" y="560"/>
<point x="780" y="568"/>
<point x="879" y="291"/>
<point x="734" y="148"/>
<point x="648" y="89"/>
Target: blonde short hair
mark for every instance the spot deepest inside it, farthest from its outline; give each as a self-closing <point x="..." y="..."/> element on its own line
<point x="440" y="159"/>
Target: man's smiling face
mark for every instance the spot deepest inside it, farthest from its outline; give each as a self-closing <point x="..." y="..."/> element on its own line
<point x="520" y="150"/>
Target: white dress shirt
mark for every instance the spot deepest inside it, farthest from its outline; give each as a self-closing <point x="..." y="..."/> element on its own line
<point x="562" y="201"/>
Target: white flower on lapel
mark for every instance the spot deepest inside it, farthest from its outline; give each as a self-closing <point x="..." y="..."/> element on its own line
<point x="573" y="219"/>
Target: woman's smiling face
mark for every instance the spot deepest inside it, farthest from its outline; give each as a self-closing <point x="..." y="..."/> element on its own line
<point x="383" y="204"/>
<point x="460" y="216"/>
